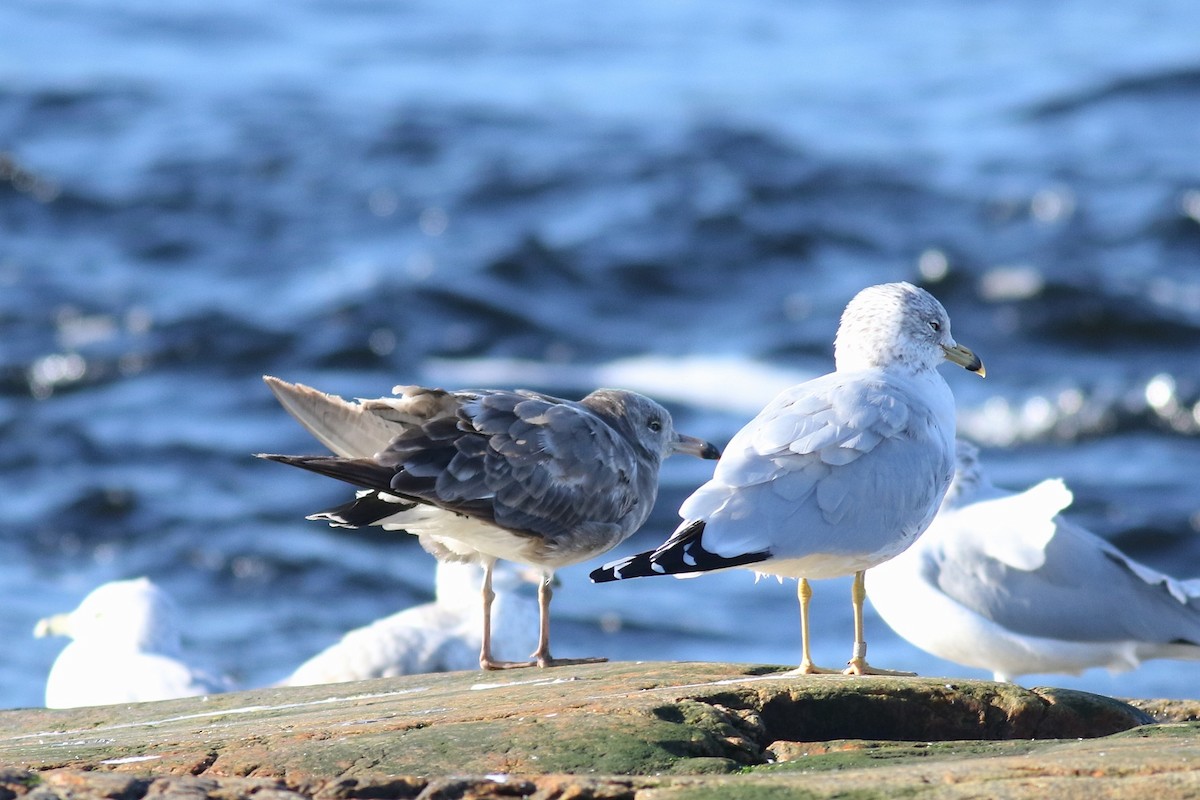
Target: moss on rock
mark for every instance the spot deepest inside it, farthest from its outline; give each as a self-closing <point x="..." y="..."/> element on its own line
<point x="637" y="728"/>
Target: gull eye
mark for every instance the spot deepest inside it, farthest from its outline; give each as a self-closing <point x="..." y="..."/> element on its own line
<point x="937" y="326"/>
<point x="654" y="425"/>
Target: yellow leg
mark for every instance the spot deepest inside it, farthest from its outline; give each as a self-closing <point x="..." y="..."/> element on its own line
<point x="807" y="667"/>
<point x="858" y="663"/>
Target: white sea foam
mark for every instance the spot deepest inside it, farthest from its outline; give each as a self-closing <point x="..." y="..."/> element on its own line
<point x="726" y="383"/>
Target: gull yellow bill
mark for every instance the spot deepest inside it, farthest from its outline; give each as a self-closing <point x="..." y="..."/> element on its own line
<point x="965" y="358"/>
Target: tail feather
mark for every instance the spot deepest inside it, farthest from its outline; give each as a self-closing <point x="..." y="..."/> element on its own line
<point x="363" y="472"/>
<point x="348" y="429"/>
<point x="682" y="554"/>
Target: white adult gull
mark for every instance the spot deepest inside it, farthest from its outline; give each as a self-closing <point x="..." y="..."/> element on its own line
<point x="441" y="636"/>
<point x="837" y="474"/>
<point x="491" y="474"/>
<point x="125" y="648"/>
<point x="1001" y="582"/>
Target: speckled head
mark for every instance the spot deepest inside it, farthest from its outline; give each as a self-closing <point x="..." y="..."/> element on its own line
<point x="898" y="325"/>
<point x="647" y="424"/>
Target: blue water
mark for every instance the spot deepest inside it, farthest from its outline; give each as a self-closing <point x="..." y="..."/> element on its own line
<point x="672" y="197"/>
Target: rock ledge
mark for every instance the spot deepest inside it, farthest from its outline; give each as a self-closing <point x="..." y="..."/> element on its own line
<point x="601" y="730"/>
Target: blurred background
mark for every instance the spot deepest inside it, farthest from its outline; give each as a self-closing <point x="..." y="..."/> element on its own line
<point x="673" y="197"/>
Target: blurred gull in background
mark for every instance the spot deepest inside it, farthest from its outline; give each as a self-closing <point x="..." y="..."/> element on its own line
<point x="125" y="648"/>
<point x="441" y="636"/>
<point x="1001" y="582"/>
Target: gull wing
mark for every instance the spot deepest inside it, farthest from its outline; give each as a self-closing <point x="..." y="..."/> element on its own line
<point x="530" y="463"/>
<point x="1081" y="589"/>
<point x="839" y="464"/>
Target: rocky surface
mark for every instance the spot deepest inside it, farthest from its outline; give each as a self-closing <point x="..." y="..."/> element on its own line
<point x="621" y="730"/>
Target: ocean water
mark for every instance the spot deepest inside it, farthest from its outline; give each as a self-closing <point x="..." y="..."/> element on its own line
<point x="673" y="197"/>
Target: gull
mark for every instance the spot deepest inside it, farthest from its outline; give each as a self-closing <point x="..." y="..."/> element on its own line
<point x="481" y="475"/>
<point x="125" y="648"/>
<point x="441" y="636"/>
<point x="837" y="474"/>
<point x="1001" y="582"/>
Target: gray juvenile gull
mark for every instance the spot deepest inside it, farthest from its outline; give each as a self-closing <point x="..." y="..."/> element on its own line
<point x="441" y="636"/>
<point x="125" y="648"/>
<point x="838" y="473"/>
<point x="488" y="474"/>
<point x="1001" y="582"/>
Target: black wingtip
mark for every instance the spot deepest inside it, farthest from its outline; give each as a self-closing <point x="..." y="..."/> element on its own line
<point x="367" y="509"/>
<point x="304" y="462"/>
<point x="612" y="571"/>
<point x="362" y="472"/>
<point x="682" y="554"/>
<point x="642" y="565"/>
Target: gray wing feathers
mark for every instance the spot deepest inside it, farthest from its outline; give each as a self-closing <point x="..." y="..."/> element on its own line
<point x="558" y="467"/>
<point x="1084" y="591"/>
<point x="542" y="465"/>
<point x="529" y="462"/>
<point x="806" y="446"/>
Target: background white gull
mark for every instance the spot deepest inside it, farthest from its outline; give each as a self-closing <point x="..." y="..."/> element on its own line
<point x="1001" y="582"/>
<point x="125" y="648"/>
<point x="836" y="474"/>
<point x="441" y="636"/>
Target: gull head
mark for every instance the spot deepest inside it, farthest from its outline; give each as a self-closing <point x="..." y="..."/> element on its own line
<point x="129" y="615"/>
<point x="647" y="424"/>
<point x="898" y="325"/>
<point x="968" y="476"/>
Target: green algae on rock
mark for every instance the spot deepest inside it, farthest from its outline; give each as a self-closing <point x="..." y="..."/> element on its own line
<point x="654" y="723"/>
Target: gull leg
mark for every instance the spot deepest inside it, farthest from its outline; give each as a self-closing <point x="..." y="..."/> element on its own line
<point x="485" y="652"/>
<point x="542" y="654"/>
<point x="807" y="667"/>
<point x="858" y="663"/>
